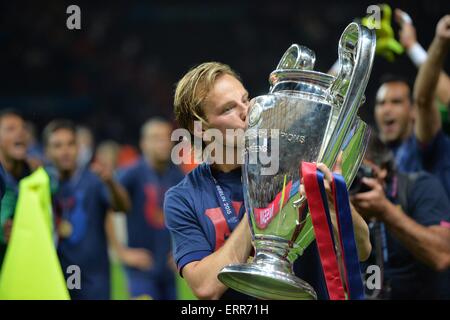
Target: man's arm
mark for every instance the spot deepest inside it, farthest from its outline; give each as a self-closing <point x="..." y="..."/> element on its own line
<point x="120" y="200"/>
<point x="443" y="88"/>
<point x="362" y="235"/>
<point x="202" y="275"/>
<point x="119" y="196"/>
<point x="428" y="121"/>
<point x="418" y="55"/>
<point x="138" y="258"/>
<point x="428" y="244"/>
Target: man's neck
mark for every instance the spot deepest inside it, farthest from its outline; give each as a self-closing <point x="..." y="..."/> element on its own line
<point x="158" y="166"/>
<point x="225" y="167"/>
<point x="402" y="138"/>
<point x="66" y="174"/>
<point x="408" y="132"/>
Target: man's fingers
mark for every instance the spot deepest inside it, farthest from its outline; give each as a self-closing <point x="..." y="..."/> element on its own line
<point x="302" y="190"/>
<point x="361" y="207"/>
<point x="371" y="182"/>
<point x="363" y="196"/>
<point x="398" y="16"/>
<point x="401" y="17"/>
<point x="443" y="26"/>
<point x="146" y="258"/>
<point x="326" y="172"/>
<point x="338" y="165"/>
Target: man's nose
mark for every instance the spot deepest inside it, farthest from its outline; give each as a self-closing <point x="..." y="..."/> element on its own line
<point x="385" y="107"/>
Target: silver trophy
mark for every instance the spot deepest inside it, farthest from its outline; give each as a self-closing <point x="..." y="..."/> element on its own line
<point x="306" y="116"/>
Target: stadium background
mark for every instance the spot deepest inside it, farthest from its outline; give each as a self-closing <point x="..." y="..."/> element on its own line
<point x="121" y="67"/>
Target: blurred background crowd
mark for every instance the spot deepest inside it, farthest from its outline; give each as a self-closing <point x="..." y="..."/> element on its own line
<point x="114" y="80"/>
<point x="129" y="54"/>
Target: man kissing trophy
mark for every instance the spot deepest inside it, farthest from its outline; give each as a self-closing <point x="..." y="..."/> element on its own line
<point x="307" y="116"/>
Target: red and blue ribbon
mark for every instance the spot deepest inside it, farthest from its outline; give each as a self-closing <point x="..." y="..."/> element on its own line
<point x="347" y="239"/>
<point x="320" y="215"/>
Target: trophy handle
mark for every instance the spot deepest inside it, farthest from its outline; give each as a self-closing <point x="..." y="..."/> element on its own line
<point x="294" y="58"/>
<point x="356" y="52"/>
<point x="354" y="149"/>
<point x="297" y="57"/>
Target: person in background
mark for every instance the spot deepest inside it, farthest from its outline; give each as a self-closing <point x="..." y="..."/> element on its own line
<point x="35" y="153"/>
<point x="85" y="141"/>
<point x="13" y="159"/>
<point x="410" y="245"/>
<point x="148" y="259"/>
<point x="2" y="181"/>
<point x="107" y="156"/>
<point x="412" y="127"/>
<point x="418" y="55"/>
<point x="80" y="202"/>
<point x="204" y="236"/>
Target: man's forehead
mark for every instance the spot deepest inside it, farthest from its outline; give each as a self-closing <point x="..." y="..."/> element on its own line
<point x="225" y="88"/>
<point x="397" y="89"/>
<point x="61" y="135"/>
<point x="63" y="132"/>
<point x="11" y="118"/>
<point x="158" y="128"/>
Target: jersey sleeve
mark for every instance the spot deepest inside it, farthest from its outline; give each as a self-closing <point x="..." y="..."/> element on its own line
<point x="189" y="242"/>
<point x="428" y="202"/>
<point x="431" y="149"/>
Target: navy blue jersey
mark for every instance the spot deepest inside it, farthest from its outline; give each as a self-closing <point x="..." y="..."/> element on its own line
<point x="198" y="226"/>
<point x="2" y="192"/>
<point x="83" y="201"/>
<point x="2" y="181"/>
<point x="407" y="277"/>
<point x="433" y="157"/>
<point x="145" y="222"/>
<point x="9" y="194"/>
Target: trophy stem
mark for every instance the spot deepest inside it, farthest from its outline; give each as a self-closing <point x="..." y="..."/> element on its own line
<point x="272" y="252"/>
<point x="270" y="275"/>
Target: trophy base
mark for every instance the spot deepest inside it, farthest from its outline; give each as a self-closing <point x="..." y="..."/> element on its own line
<point x="255" y="280"/>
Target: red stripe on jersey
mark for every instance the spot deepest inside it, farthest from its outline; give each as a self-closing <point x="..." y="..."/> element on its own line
<point x="220" y="226"/>
<point x="237" y="206"/>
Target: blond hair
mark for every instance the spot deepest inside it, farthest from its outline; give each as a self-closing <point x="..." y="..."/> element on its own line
<point x="192" y="90"/>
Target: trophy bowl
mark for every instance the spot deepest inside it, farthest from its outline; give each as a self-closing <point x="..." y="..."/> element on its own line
<point x="306" y="116"/>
